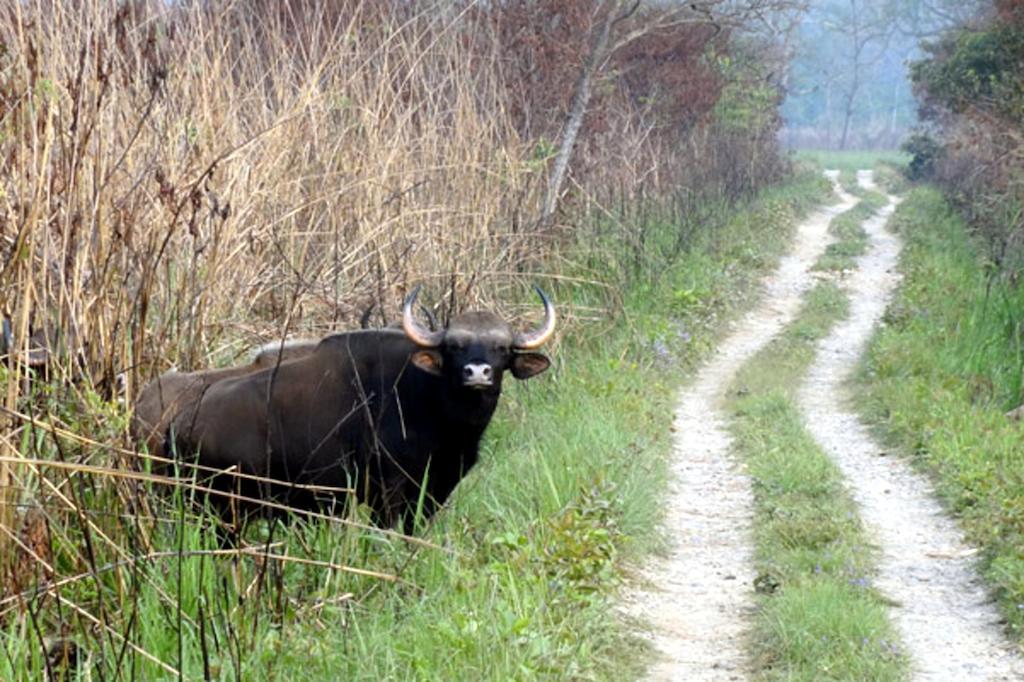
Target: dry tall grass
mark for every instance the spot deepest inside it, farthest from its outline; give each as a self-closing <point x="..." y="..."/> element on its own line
<point x="178" y="171"/>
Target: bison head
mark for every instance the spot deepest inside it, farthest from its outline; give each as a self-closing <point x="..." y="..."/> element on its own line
<point x="476" y="348"/>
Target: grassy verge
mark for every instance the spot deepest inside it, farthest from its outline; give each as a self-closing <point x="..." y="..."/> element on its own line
<point x="819" y="618"/>
<point x="517" y="579"/>
<point x="939" y="377"/>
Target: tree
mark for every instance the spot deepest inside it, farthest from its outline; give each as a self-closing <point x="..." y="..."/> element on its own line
<point x="618" y="25"/>
<point x="928" y="19"/>
<point x="848" y="84"/>
<point x="613" y="15"/>
<point x="869" y="34"/>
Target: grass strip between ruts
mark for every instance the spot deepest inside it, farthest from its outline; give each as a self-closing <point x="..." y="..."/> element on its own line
<point x="818" y="616"/>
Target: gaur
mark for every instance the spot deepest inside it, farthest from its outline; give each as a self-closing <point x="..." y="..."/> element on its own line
<point x="395" y="414"/>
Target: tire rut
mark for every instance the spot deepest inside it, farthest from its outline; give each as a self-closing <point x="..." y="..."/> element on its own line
<point x="698" y="599"/>
<point x="946" y="619"/>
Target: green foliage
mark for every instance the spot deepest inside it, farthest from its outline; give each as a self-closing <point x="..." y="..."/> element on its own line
<point x="940" y="375"/>
<point x="971" y="68"/>
<point x="925" y="151"/>
<point x="748" y="102"/>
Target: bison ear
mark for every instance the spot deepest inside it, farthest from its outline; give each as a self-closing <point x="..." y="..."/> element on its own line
<point x="428" y="360"/>
<point x="526" y="365"/>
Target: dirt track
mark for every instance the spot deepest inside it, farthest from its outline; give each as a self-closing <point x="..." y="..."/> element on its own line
<point x="944" y="616"/>
<point x="701" y="594"/>
<point x="697" y="600"/>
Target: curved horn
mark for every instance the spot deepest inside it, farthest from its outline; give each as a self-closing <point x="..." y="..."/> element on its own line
<point x="539" y="336"/>
<point x="413" y="329"/>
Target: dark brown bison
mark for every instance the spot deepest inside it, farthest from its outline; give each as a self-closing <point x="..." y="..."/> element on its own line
<point x="395" y="414"/>
<point x="163" y="398"/>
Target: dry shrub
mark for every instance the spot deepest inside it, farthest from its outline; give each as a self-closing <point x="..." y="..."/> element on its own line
<point x="649" y="122"/>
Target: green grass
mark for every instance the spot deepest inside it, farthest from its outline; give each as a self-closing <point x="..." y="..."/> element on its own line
<point x="520" y="579"/>
<point x="852" y="160"/>
<point x="818" y="616"/>
<point x="851" y="239"/>
<point x="885" y="162"/>
<point x="941" y="373"/>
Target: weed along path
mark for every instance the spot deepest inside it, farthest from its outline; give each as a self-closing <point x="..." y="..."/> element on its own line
<point x="946" y="621"/>
<point x="698" y="598"/>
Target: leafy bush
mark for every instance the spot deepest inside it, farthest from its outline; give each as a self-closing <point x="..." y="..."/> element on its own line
<point x="925" y="151"/>
<point x="971" y="87"/>
<point x="970" y="69"/>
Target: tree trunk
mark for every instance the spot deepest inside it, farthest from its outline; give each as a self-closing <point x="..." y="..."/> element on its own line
<point x="574" y="120"/>
<point x="847" y="115"/>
